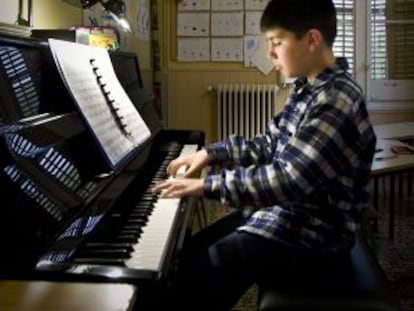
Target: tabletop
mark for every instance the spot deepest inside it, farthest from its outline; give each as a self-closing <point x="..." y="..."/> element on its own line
<point x="65" y="296"/>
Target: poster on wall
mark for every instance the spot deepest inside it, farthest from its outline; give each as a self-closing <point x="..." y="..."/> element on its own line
<point x="143" y="20"/>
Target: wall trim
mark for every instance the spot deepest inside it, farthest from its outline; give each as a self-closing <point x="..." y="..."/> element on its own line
<point x="390" y="106"/>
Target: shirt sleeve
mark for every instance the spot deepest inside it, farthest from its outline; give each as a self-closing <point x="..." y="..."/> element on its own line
<point x="325" y="144"/>
<point x="238" y="151"/>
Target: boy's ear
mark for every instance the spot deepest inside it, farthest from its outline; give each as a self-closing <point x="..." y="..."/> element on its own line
<point x="315" y="39"/>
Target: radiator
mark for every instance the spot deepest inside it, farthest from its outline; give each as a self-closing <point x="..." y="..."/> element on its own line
<point x="245" y="109"/>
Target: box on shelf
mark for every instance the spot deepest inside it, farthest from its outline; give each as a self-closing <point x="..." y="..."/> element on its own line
<point x="105" y="37"/>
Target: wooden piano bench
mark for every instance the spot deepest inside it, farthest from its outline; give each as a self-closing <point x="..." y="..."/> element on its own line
<point x="354" y="283"/>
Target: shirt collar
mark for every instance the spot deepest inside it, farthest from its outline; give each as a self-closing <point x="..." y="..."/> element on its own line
<point x="341" y="66"/>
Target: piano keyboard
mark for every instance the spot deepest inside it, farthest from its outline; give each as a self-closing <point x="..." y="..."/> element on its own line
<point x="150" y="251"/>
<point x="187" y="149"/>
<point x="142" y="243"/>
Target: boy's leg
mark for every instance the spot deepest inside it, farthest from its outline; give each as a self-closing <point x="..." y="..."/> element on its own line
<point x="214" y="232"/>
<point x="216" y="276"/>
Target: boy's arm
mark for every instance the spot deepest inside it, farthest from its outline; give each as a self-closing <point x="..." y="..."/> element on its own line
<point x="238" y="151"/>
<point x="327" y="143"/>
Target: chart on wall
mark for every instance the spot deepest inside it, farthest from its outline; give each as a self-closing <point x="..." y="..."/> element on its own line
<point x="222" y="31"/>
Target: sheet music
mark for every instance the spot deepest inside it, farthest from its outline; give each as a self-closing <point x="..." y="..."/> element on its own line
<point x="107" y="109"/>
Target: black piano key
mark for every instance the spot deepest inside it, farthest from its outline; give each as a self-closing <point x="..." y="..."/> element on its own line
<point x="107" y="245"/>
<point x="120" y="238"/>
<point x="103" y="253"/>
<point x="132" y="238"/>
<point x="136" y="223"/>
<point x="100" y="261"/>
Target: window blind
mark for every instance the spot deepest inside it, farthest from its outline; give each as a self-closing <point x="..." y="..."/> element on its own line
<point x="392" y="39"/>
<point x="344" y="44"/>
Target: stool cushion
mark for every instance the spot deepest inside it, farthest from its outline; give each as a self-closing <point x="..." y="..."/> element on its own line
<point x="353" y="282"/>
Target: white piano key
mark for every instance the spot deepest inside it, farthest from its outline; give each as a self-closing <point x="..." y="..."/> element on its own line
<point x="152" y="246"/>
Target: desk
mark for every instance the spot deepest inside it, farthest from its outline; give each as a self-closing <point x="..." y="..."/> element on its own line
<point x="397" y="131"/>
<point x="390" y="167"/>
<point x="65" y="296"/>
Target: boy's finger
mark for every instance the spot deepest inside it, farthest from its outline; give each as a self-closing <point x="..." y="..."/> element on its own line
<point x="160" y="186"/>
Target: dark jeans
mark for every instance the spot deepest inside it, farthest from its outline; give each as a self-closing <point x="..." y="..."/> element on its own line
<point x="220" y="264"/>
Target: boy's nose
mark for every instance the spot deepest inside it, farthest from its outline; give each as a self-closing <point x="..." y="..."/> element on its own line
<point x="271" y="54"/>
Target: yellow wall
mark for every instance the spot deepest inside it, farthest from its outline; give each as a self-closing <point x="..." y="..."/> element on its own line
<point x="46" y="13"/>
<point x="57" y="14"/>
<point x="8" y="12"/>
<point x="186" y="100"/>
<point x="51" y="14"/>
<point x="140" y="47"/>
<point x="130" y="42"/>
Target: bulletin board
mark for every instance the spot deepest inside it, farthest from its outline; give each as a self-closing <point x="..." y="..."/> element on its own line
<point x="221" y="31"/>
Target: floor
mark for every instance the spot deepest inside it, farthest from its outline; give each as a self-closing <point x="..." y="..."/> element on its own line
<point x="396" y="256"/>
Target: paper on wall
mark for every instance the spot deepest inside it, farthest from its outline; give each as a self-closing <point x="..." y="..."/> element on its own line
<point x="143" y="20"/>
<point x="227" y="24"/>
<point x="252" y="23"/>
<point x="227" y="5"/>
<point x="253" y="5"/>
<point x="260" y="58"/>
<point x="193" y="49"/>
<point x="250" y="45"/>
<point x="255" y="54"/>
<point x="193" y="5"/>
<point x="227" y="49"/>
<point x="193" y="24"/>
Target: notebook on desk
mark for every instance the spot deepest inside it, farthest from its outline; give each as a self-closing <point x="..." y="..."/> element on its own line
<point x="383" y="154"/>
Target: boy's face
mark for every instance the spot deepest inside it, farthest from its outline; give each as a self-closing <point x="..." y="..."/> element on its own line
<point x="291" y="56"/>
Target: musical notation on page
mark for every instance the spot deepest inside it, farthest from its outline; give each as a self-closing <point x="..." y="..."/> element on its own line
<point x="102" y="101"/>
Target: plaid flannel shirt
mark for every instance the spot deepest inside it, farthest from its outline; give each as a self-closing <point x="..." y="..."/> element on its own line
<point x="306" y="178"/>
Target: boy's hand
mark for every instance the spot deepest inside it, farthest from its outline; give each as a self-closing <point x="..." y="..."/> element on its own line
<point x="177" y="188"/>
<point x="194" y="162"/>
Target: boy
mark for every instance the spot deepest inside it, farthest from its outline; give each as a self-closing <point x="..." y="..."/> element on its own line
<point x="305" y="179"/>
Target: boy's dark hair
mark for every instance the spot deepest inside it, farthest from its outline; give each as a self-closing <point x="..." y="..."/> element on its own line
<point x="299" y="16"/>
